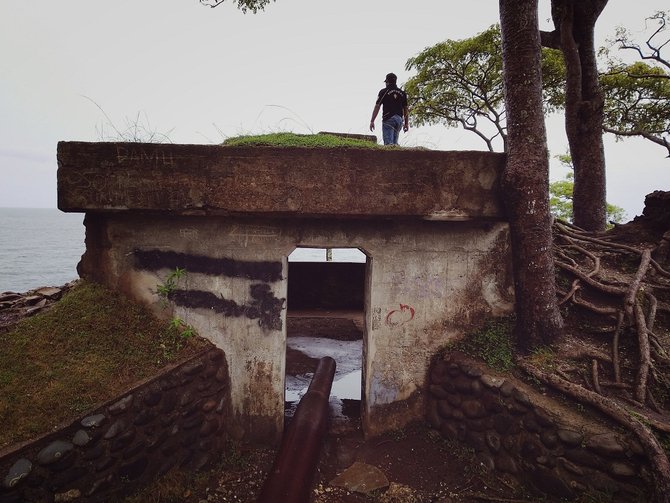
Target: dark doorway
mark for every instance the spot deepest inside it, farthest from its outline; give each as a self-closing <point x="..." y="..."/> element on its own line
<point x="325" y="317"/>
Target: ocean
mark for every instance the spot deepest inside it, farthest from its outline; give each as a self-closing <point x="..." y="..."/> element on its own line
<point x="42" y="247"/>
<point x="39" y="247"/>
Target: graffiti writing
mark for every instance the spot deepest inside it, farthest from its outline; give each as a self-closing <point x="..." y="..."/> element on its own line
<point x="264" y="306"/>
<point x="252" y="233"/>
<point x="157" y="157"/>
<point x="376" y="318"/>
<point x="155" y="260"/>
<point x="189" y="233"/>
<point x="398" y="317"/>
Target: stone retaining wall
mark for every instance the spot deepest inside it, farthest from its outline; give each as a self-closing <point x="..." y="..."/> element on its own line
<point x="175" y="419"/>
<point x="543" y="444"/>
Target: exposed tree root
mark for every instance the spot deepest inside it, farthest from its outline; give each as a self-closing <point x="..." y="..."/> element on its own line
<point x="657" y="457"/>
<point x="629" y="310"/>
<point x="627" y="380"/>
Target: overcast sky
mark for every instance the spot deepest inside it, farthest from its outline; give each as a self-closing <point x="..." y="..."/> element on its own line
<point x="75" y="69"/>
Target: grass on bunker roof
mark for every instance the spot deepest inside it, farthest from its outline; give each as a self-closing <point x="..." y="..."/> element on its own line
<point x="286" y="139"/>
<point x="90" y="346"/>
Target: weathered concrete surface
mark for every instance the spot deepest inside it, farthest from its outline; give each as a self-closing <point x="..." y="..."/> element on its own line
<point x="427" y="283"/>
<point x="220" y="214"/>
<point x="211" y="179"/>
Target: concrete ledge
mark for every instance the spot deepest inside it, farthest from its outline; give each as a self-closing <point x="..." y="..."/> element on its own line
<point x="269" y="181"/>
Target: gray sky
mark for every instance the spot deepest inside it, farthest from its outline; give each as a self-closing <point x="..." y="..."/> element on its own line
<point x="200" y="75"/>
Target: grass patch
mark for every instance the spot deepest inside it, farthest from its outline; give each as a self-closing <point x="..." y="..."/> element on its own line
<point x="493" y="344"/>
<point x="90" y="346"/>
<point x="299" y="140"/>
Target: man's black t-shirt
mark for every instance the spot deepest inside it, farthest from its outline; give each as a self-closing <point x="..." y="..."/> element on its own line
<point x="393" y="101"/>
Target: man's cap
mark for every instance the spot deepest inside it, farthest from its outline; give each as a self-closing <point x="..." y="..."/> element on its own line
<point x="391" y="77"/>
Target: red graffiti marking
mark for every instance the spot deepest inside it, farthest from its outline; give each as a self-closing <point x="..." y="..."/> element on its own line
<point x="400" y="316"/>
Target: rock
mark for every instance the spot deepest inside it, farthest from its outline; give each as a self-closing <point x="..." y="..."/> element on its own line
<point x="93" y="421"/>
<point x="81" y="438"/>
<point x="38" y="306"/>
<point x="53" y="452"/>
<point x="570" y="438"/>
<point x="31" y="300"/>
<point x="606" y="444"/>
<point x="507" y="388"/>
<point x="491" y="381"/>
<point x="619" y="469"/>
<point x="361" y="478"/>
<point x="115" y="429"/>
<point x="9" y="297"/>
<point x="49" y="292"/>
<point x="493" y="441"/>
<point x="17" y="472"/>
<point x="657" y="209"/>
<point x="122" y="405"/>
<point x="473" y="409"/>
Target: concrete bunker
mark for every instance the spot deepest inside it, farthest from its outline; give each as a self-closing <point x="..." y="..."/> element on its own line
<point x="431" y="223"/>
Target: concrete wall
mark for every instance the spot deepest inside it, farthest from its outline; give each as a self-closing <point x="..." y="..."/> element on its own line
<point x="428" y="282"/>
<point x="431" y="224"/>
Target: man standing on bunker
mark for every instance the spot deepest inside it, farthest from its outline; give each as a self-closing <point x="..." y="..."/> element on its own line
<point x="393" y="102"/>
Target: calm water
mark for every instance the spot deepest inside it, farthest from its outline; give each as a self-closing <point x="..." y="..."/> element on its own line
<point x="39" y="247"/>
<point x="42" y="247"/>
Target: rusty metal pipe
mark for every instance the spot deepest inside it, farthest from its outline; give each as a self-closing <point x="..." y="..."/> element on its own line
<point x="292" y="474"/>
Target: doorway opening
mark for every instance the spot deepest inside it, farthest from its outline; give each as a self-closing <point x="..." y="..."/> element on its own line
<point x="326" y="317"/>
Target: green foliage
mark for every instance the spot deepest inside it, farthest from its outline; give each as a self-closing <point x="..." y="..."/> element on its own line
<point x="173" y="339"/>
<point x="543" y="357"/>
<point x="165" y="289"/>
<point x="637" y="99"/>
<point x="460" y="83"/>
<point x="185" y="330"/>
<point x="560" y="197"/>
<point x="637" y="95"/>
<point x="322" y="140"/>
<point x="493" y="344"/>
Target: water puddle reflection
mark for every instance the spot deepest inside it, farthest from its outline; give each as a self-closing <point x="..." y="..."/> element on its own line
<point x="345" y="394"/>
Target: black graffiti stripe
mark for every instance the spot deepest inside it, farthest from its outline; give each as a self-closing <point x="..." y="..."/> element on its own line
<point x="154" y="260"/>
<point x="264" y="307"/>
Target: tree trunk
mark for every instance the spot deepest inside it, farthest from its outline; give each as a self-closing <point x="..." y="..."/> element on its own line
<point x="575" y="22"/>
<point x="525" y="180"/>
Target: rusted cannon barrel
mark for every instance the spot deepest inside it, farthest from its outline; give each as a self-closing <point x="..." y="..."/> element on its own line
<point x="292" y="475"/>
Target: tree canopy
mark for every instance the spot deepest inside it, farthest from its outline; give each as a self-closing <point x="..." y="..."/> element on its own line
<point x="460" y="83"/>
<point x="638" y="94"/>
